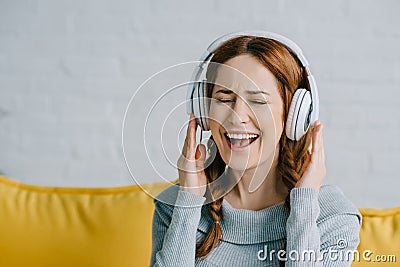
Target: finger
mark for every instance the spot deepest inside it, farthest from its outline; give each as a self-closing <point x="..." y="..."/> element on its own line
<point x="190" y="121"/>
<point x="322" y="155"/>
<point x="321" y="145"/>
<point x="187" y="137"/>
<point x="319" y="152"/>
<point x="200" y="157"/>
<point x="315" y="138"/>
<point x="320" y="133"/>
<point x="188" y="127"/>
<point x="191" y="137"/>
<point x="307" y="162"/>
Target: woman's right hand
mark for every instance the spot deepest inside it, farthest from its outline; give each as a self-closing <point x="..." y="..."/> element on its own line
<point x="192" y="177"/>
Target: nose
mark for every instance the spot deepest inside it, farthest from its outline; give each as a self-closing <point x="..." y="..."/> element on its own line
<point x="240" y="113"/>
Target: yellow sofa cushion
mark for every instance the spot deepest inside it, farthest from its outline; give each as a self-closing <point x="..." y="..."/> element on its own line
<point x="379" y="237"/>
<point x="64" y="227"/>
<point x="54" y="226"/>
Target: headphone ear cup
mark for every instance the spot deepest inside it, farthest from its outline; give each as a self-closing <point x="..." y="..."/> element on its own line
<point x="202" y="117"/>
<point x="205" y="105"/>
<point x="298" y="122"/>
<point x="196" y="102"/>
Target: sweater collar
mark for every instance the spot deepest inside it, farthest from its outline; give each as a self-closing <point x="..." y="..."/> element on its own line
<point x="241" y="226"/>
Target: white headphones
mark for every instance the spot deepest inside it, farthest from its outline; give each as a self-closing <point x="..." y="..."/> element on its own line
<point x="304" y="108"/>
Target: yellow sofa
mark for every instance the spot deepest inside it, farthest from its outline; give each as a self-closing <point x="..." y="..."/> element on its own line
<point x="73" y="227"/>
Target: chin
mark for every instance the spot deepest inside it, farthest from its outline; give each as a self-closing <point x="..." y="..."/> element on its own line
<point x="249" y="159"/>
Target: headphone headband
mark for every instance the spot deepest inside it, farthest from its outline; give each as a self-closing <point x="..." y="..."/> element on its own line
<point x="277" y="37"/>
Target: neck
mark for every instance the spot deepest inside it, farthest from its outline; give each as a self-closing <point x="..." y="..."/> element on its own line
<point x="270" y="192"/>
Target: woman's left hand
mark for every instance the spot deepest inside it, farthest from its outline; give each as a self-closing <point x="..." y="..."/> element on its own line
<point x="315" y="163"/>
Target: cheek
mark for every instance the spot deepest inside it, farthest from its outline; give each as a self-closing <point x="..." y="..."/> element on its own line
<point x="215" y="120"/>
<point x="218" y="113"/>
<point x="271" y="122"/>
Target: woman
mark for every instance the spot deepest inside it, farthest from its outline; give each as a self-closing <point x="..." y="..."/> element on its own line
<point x="290" y="211"/>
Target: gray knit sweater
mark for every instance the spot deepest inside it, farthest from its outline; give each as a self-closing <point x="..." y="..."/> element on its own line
<point x="321" y="229"/>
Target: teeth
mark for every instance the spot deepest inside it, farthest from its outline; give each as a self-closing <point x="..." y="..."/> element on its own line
<point x="241" y="136"/>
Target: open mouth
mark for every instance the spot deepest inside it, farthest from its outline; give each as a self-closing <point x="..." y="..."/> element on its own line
<point x="240" y="140"/>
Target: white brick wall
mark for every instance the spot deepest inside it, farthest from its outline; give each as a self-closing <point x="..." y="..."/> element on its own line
<point x="69" y="68"/>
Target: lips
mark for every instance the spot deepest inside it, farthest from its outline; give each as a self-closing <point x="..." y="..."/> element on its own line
<point x="237" y="143"/>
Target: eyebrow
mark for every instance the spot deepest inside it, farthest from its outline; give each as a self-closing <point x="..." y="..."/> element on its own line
<point x="227" y="91"/>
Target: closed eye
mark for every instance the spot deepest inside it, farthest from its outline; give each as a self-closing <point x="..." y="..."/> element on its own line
<point x="259" y="102"/>
<point x="232" y="100"/>
<point x="224" y="100"/>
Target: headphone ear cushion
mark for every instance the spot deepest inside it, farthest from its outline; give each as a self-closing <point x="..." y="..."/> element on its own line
<point x="203" y="110"/>
<point x="206" y="106"/>
<point x="195" y="102"/>
<point x="297" y="122"/>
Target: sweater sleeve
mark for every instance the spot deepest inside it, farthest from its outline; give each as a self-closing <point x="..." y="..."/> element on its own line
<point x="174" y="235"/>
<point x="324" y="242"/>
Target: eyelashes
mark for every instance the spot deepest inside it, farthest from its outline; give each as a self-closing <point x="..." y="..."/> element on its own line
<point x="257" y="102"/>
